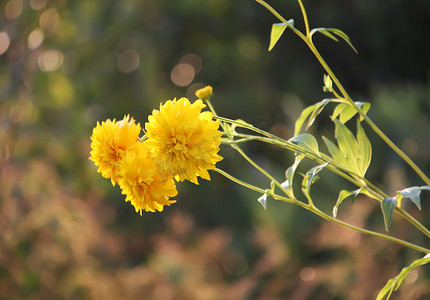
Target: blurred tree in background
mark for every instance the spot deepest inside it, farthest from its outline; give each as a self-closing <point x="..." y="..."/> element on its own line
<point x="66" y="233"/>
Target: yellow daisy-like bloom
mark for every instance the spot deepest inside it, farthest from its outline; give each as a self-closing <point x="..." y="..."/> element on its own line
<point x="204" y="93"/>
<point x="109" y="143"/>
<point x="143" y="184"/>
<point x="183" y="140"/>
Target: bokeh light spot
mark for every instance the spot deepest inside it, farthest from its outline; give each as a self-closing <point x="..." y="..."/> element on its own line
<point x="4" y="42"/>
<point x="38" y="4"/>
<point x="35" y="38"/>
<point x="13" y="9"/>
<point x="128" y="61"/>
<point x="307" y="274"/>
<point x="193" y="60"/>
<point x="51" y="60"/>
<point x="182" y="74"/>
<point x="49" y="19"/>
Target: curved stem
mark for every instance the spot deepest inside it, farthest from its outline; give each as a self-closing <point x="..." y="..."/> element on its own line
<point x="374" y="127"/>
<point x="376" y="192"/>
<point x="323" y="215"/>
<point x="282" y="19"/>
<point x="305" y="17"/>
<point x="369" y="232"/>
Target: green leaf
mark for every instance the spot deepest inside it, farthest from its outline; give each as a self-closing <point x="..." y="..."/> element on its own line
<point x="287" y="185"/>
<point x="307" y="141"/>
<point x="346" y="111"/>
<point x="328" y="84"/>
<point x="343" y="194"/>
<point x="388" y="205"/>
<point x="348" y="146"/>
<point x="313" y="111"/>
<point x="413" y="193"/>
<point x="311" y="177"/>
<point x="303" y="116"/>
<point x="364" y="106"/>
<point x="263" y="200"/>
<point x="229" y="131"/>
<point x="318" y="109"/>
<point x="394" y="283"/>
<point x="328" y="32"/>
<point x="277" y="31"/>
<point x="338" y="157"/>
<point x="272" y="186"/>
<point x="239" y="123"/>
<point x="365" y="149"/>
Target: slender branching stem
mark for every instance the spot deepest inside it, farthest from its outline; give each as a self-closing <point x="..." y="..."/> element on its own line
<point x="322" y="214"/>
<point x="308" y="40"/>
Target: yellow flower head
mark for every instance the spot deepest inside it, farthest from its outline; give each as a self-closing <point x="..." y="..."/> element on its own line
<point x="204" y="93"/>
<point x="109" y="143"/>
<point x="183" y="140"/>
<point x="142" y="183"/>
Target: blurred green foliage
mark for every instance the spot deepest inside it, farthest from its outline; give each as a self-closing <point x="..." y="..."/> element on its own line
<point x="66" y="233"/>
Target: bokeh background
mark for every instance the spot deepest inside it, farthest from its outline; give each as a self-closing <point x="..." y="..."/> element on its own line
<point x="66" y="233"/>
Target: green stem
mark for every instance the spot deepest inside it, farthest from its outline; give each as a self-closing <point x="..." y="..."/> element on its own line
<point x="377" y="193"/>
<point x="305" y="17"/>
<point x="255" y="165"/>
<point x="374" y="127"/>
<point x="238" y="181"/>
<point x="324" y="215"/>
<point x="277" y="15"/>
<point x="369" y="232"/>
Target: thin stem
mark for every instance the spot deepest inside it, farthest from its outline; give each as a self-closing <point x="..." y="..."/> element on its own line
<point x="369" y="232"/>
<point x="282" y="19"/>
<point x="324" y="215"/>
<point x="374" y="127"/>
<point x="305" y="17"/>
<point x="255" y="165"/>
<point x="377" y="193"/>
<point x="238" y="181"/>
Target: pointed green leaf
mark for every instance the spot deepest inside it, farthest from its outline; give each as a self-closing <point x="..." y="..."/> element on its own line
<point x="311" y="177"/>
<point x="313" y="111"/>
<point x="394" y="283"/>
<point x="272" y="186"/>
<point x="338" y="157"/>
<point x="364" y="106"/>
<point x="328" y="84"/>
<point x="263" y="200"/>
<point x="345" y="194"/>
<point x="277" y="31"/>
<point x="388" y="205"/>
<point x="341" y="34"/>
<point x="414" y="193"/>
<point x="318" y="109"/>
<point x="305" y="113"/>
<point x="348" y="146"/>
<point x="365" y="149"/>
<point x="338" y="110"/>
<point x="328" y="34"/>
<point x="342" y="196"/>
<point x="307" y="141"/>
<point x="287" y="185"/>
<point x="346" y="111"/>
<point x="239" y="123"/>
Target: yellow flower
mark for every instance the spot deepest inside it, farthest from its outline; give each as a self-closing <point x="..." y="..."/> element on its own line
<point x="142" y="183"/>
<point x="183" y="140"/>
<point x="204" y="93"/>
<point x="109" y="142"/>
